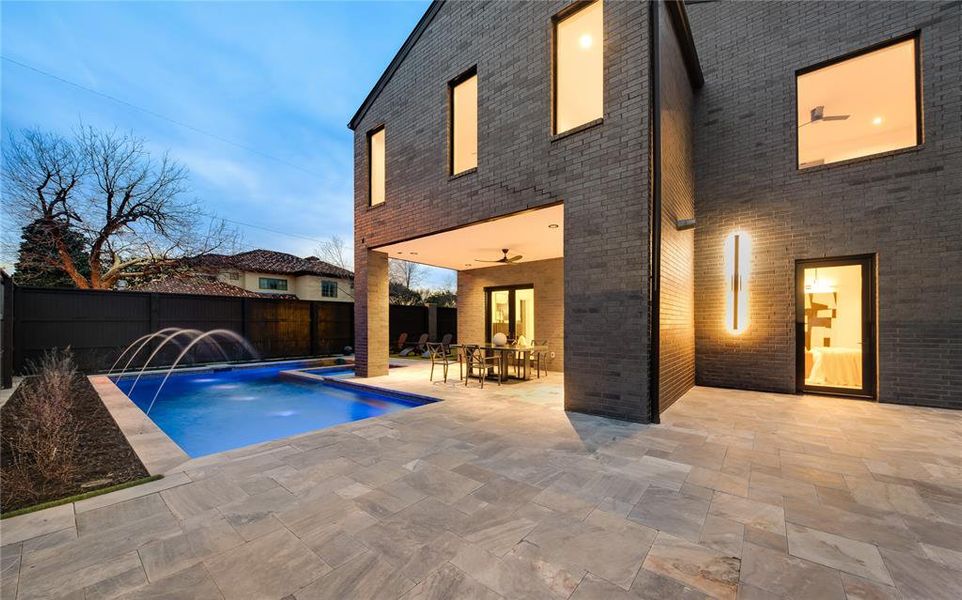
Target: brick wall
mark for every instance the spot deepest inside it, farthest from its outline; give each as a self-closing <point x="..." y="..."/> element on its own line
<point x="676" y="373"/>
<point x="905" y="208"/>
<point x="600" y="174"/>
<point x="547" y="276"/>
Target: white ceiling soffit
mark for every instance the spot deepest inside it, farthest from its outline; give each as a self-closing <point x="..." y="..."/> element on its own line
<point x="536" y="234"/>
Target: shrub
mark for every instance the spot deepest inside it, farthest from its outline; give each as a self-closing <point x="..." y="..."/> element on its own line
<point x="42" y="436"/>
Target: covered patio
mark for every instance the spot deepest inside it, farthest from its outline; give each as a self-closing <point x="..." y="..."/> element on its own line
<point x="510" y="273"/>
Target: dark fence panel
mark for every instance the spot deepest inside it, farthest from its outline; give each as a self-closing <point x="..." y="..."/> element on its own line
<point x="98" y="325"/>
<point x="333" y="327"/>
<point x="448" y="322"/>
<point x="93" y="323"/>
<point x="412" y="320"/>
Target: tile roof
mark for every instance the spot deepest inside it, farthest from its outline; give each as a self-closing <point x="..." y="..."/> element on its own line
<point x="200" y="285"/>
<point x="269" y="261"/>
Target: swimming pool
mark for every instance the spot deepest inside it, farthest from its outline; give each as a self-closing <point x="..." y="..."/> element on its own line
<point x="214" y="410"/>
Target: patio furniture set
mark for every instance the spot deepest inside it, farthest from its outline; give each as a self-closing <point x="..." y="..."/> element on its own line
<point x="488" y="360"/>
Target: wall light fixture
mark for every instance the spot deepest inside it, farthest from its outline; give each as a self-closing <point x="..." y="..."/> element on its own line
<point x="738" y="252"/>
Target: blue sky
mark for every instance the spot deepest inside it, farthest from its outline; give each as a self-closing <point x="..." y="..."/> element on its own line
<point x="282" y="78"/>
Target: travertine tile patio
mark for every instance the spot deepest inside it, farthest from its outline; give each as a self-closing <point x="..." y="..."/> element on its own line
<point x="501" y="494"/>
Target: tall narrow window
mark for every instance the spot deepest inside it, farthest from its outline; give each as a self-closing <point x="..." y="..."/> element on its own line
<point x="464" y="123"/>
<point x="579" y="68"/>
<point x="375" y="143"/>
<point x="859" y="105"/>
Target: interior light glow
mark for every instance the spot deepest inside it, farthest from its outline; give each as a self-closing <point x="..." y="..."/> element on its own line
<point x="738" y="248"/>
<point x="877" y="121"/>
<point x="585" y="40"/>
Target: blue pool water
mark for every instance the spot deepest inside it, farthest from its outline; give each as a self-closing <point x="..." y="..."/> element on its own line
<point x="211" y="411"/>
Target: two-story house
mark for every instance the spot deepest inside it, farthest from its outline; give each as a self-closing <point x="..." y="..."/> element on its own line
<point x="267" y="272"/>
<point x="757" y="195"/>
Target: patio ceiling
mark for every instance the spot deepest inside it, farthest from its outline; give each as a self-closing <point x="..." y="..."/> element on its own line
<point x="536" y="234"/>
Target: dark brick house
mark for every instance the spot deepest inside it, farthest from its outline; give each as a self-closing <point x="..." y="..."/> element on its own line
<point x="756" y="195"/>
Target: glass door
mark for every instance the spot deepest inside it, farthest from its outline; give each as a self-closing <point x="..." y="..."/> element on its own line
<point x="499" y="313"/>
<point x="510" y="310"/>
<point x="835" y="326"/>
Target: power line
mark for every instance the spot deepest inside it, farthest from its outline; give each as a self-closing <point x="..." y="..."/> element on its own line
<point x="160" y="116"/>
<point x="277" y="231"/>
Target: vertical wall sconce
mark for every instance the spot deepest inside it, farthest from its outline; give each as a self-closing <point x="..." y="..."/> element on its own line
<point x="738" y="252"/>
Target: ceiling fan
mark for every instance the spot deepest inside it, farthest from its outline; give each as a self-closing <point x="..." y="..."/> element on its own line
<point x="818" y="114"/>
<point x="503" y="260"/>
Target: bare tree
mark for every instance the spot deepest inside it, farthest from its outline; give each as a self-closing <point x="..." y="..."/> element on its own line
<point x="406" y="273"/>
<point x="335" y="251"/>
<point x="129" y="207"/>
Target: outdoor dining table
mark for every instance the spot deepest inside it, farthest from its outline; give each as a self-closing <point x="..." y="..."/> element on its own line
<point x="507" y="350"/>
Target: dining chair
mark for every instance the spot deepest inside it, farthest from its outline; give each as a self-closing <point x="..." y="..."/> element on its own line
<point x="540" y="355"/>
<point x="477" y="358"/>
<point x="438" y="356"/>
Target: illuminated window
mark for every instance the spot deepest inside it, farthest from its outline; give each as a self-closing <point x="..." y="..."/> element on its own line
<point x="579" y="68"/>
<point x="329" y="289"/>
<point x="464" y="122"/>
<point x="270" y="283"/>
<point x="375" y="142"/>
<point x="859" y="105"/>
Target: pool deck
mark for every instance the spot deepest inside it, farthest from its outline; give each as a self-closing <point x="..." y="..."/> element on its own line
<point x="498" y="493"/>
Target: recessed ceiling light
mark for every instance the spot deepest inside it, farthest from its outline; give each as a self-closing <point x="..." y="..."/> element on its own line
<point x="585" y="41"/>
<point x="877" y="121"/>
<point x="467" y="264"/>
<point x="553" y="226"/>
<point x="413" y="253"/>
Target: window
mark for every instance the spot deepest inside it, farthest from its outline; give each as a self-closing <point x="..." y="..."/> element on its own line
<point x="375" y="143"/>
<point x="464" y="122"/>
<point x="269" y="283"/>
<point x="233" y="276"/>
<point x="329" y="289"/>
<point x="579" y="68"/>
<point x="859" y="105"/>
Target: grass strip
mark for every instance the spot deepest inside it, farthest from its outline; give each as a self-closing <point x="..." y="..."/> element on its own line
<point x="78" y="497"/>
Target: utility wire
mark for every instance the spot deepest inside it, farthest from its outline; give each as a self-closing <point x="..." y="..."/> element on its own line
<point x="277" y="231"/>
<point x="160" y="116"/>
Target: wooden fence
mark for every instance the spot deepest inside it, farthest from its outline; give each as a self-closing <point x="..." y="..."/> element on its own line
<point x="97" y="325"/>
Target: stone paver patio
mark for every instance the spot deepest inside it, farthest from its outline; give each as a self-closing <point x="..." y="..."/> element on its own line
<point x="501" y="494"/>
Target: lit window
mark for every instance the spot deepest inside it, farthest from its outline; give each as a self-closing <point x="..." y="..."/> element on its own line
<point x="376" y="166"/>
<point x="464" y="123"/>
<point x="329" y="289"/>
<point x="269" y="283"/>
<point x="579" y="68"/>
<point x="859" y="106"/>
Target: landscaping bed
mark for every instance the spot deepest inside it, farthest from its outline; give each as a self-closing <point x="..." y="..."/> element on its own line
<point x="57" y="439"/>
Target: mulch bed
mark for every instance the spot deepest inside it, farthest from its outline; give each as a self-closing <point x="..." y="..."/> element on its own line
<point x="106" y="459"/>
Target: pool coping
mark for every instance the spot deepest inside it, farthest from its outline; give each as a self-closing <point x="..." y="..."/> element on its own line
<point x="155" y="449"/>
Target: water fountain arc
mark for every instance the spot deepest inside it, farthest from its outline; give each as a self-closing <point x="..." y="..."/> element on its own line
<point x="143" y="340"/>
<point x="224" y="332"/>
<point x="164" y="342"/>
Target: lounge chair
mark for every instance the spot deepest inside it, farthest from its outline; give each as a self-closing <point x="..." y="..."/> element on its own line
<point x="420" y="347"/>
<point x="402" y="341"/>
<point x="446" y="343"/>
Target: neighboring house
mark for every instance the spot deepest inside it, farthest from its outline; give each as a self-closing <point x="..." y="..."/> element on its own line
<point x="753" y="195"/>
<point x="195" y="284"/>
<point x="277" y="273"/>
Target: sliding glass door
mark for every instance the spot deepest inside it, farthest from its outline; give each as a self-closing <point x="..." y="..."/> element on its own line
<point x="835" y="326"/>
<point x="510" y="310"/>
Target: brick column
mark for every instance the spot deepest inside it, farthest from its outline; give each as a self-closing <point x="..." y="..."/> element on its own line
<point x="371" y="313"/>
